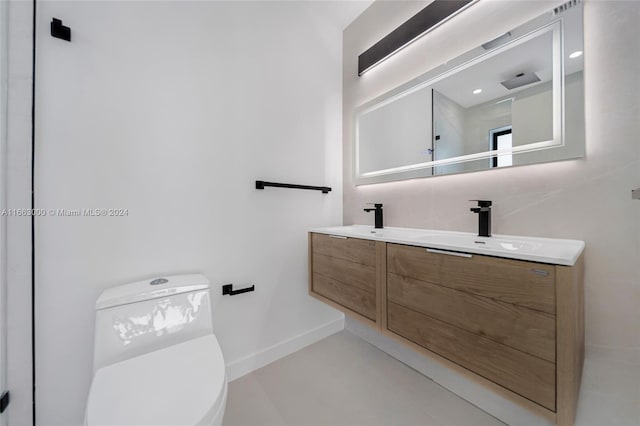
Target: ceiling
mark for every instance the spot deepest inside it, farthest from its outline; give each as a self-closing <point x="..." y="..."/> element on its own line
<point x="340" y="13"/>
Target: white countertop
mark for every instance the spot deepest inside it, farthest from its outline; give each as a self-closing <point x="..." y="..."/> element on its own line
<point x="534" y="249"/>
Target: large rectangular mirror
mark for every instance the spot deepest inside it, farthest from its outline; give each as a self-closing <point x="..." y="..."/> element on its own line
<point x="514" y="100"/>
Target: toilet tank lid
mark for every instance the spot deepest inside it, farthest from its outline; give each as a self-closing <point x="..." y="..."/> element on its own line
<point x="149" y="289"/>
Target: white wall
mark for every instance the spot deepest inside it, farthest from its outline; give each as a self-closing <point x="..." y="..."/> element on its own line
<point x="172" y="110"/>
<point x="18" y="196"/>
<point x="4" y="78"/>
<point x="587" y="199"/>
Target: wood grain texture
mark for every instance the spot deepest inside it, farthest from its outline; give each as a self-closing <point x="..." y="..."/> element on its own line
<point x="530" y="331"/>
<point x="351" y="249"/>
<point x="343" y="273"/>
<point x="310" y="259"/>
<point x="570" y="344"/>
<point x="472" y="376"/>
<point x="351" y="273"/>
<point x="354" y="298"/>
<point x="507" y="280"/>
<point x="348" y="312"/>
<point x="529" y="376"/>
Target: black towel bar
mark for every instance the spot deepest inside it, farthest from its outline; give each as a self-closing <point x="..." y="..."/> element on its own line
<point x="260" y="184"/>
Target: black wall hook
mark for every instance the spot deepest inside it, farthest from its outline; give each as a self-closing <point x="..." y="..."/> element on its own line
<point x="228" y="289"/>
<point x="4" y="401"/>
<point x="60" y="31"/>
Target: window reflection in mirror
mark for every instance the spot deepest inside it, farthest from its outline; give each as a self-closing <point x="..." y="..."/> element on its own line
<point x="501" y="140"/>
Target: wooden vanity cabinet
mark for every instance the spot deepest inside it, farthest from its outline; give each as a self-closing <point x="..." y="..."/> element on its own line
<point x="494" y="316"/>
<point x="345" y="273"/>
<point x="516" y="326"/>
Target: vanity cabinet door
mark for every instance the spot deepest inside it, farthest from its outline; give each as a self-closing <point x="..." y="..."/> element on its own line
<point x="492" y="316"/>
<point x="343" y="270"/>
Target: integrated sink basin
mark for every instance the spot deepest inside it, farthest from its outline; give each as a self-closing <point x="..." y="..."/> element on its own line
<point x="546" y="250"/>
<point x="494" y="243"/>
<point x="369" y="232"/>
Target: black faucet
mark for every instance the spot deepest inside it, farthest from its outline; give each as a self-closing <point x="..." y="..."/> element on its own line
<point x="378" y="210"/>
<point x="484" y="217"/>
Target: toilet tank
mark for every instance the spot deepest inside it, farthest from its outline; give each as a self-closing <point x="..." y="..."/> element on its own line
<point x="148" y="315"/>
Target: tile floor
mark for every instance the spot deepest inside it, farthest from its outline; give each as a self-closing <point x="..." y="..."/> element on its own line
<point x="342" y="380"/>
<point x="610" y="393"/>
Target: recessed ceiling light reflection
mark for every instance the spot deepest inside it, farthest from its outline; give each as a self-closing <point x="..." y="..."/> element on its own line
<point x="576" y="54"/>
<point x="475" y="92"/>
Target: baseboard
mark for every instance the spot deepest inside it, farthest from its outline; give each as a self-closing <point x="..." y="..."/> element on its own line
<point x="256" y="360"/>
<point x="490" y="402"/>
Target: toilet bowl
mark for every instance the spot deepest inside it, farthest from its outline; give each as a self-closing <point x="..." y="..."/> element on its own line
<point x="156" y="359"/>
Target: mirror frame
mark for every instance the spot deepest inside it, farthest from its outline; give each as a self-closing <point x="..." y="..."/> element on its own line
<point x="525" y="32"/>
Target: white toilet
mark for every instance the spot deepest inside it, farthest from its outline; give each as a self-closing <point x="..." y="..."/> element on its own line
<point x="156" y="359"/>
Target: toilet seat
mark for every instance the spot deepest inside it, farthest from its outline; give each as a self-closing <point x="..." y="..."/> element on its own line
<point x="183" y="384"/>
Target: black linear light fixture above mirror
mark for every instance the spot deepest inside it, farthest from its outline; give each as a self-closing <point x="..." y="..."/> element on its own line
<point x="435" y="14"/>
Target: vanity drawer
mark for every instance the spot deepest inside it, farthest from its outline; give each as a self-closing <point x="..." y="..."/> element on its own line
<point x="361" y="301"/>
<point x="524" y="374"/>
<point x="521" y="328"/>
<point x="527" y="284"/>
<point x="343" y="271"/>
<point x="351" y="249"/>
<point x="350" y="273"/>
